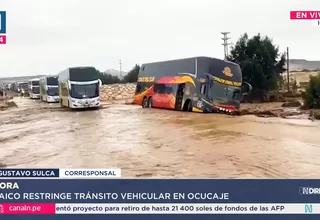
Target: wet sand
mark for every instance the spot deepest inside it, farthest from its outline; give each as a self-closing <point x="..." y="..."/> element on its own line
<point x="158" y="143"/>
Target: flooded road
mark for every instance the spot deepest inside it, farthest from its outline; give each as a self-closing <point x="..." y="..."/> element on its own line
<point x="158" y="143"/>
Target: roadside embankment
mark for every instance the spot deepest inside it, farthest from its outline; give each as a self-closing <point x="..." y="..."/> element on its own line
<point x="118" y="93"/>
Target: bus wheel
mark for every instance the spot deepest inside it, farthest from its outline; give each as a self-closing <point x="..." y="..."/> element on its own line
<point x="150" y="102"/>
<point x="145" y="102"/>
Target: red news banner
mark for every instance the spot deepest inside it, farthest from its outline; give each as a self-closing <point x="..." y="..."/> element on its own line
<point x="3" y="39"/>
<point x="34" y="208"/>
<point x="305" y="15"/>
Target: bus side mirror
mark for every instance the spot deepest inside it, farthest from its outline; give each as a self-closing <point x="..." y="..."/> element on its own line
<point x="246" y="88"/>
<point x="100" y="83"/>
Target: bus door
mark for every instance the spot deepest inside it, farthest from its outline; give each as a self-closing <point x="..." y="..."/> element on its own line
<point x="206" y="89"/>
<point x="179" y="96"/>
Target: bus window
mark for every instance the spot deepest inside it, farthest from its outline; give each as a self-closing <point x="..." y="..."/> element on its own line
<point x="159" y="88"/>
<point x="138" y="89"/>
<point x="164" y="89"/>
<point x="203" y="89"/>
<point x="169" y="90"/>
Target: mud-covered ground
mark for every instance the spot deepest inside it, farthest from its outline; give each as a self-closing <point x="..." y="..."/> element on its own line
<point x="158" y="143"/>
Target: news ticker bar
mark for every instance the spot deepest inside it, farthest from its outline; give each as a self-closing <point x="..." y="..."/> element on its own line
<point x="59" y="173"/>
<point x="158" y="208"/>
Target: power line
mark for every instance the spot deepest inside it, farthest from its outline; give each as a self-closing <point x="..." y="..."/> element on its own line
<point x="225" y="43"/>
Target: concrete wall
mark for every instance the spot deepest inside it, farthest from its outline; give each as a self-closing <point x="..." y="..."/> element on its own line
<point x="117" y="92"/>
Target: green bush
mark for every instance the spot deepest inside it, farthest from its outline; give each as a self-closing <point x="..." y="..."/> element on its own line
<point x="312" y="95"/>
<point x="261" y="63"/>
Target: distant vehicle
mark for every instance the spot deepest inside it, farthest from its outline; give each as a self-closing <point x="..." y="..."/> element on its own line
<point x="79" y="87"/>
<point x="22" y="88"/>
<point x="49" y="89"/>
<point x="14" y="87"/>
<point x="33" y="87"/>
<point x="198" y="84"/>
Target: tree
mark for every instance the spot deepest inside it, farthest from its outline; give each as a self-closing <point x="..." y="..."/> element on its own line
<point x="132" y="75"/>
<point x="107" y="78"/>
<point x="312" y="95"/>
<point x="260" y="62"/>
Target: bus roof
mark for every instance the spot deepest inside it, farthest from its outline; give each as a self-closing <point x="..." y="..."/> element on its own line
<point x="194" y="66"/>
<point x="191" y="58"/>
<point x="81" y="67"/>
<point x="35" y="79"/>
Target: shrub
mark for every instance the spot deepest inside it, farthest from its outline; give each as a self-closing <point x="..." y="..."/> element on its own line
<point x="312" y="95"/>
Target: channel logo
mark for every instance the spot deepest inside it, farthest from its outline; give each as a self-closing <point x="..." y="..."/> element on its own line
<point x="309" y="191"/>
<point x="3" y="28"/>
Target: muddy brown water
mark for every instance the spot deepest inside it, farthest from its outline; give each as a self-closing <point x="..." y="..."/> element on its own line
<point x="158" y="143"/>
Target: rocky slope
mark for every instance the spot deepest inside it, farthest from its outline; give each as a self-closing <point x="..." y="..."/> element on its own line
<point x="117" y="92"/>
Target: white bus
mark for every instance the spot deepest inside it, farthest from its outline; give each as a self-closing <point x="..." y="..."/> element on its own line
<point x="79" y="87"/>
<point x="49" y="89"/>
<point x="22" y="87"/>
<point x="33" y="87"/>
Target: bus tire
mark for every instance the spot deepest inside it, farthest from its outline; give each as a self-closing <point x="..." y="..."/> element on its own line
<point x="150" y="102"/>
<point x="187" y="107"/>
<point x="145" y="102"/>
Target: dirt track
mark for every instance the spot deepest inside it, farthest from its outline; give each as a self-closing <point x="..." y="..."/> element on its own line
<point x="158" y="143"/>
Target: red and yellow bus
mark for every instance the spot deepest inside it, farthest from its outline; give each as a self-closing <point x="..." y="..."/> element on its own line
<point x="198" y="84"/>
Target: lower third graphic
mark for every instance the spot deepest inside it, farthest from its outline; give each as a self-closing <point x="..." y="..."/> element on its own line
<point x="308" y="208"/>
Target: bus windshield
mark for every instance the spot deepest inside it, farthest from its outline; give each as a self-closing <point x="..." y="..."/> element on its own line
<point x="53" y="91"/>
<point x="52" y="81"/>
<point x="84" y="91"/>
<point x="24" y="86"/>
<point x="35" y="83"/>
<point x="222" y="92"/>
<point x="35" y="90"/>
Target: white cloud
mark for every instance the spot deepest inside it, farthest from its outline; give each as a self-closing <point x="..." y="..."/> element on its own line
<point x="46" y="36"/>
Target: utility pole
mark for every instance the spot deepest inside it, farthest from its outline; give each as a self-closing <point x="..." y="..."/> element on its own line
<point x="225" y="43"/>
<point x="288" y="72"/>
<point x="120" y="63"/>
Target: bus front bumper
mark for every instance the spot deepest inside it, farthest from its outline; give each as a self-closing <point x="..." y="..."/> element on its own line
<point x="35" y="96"/>
<point x="85" y="104"/>
<point x="53" y="99"/>
<point x="220" y="108"/>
